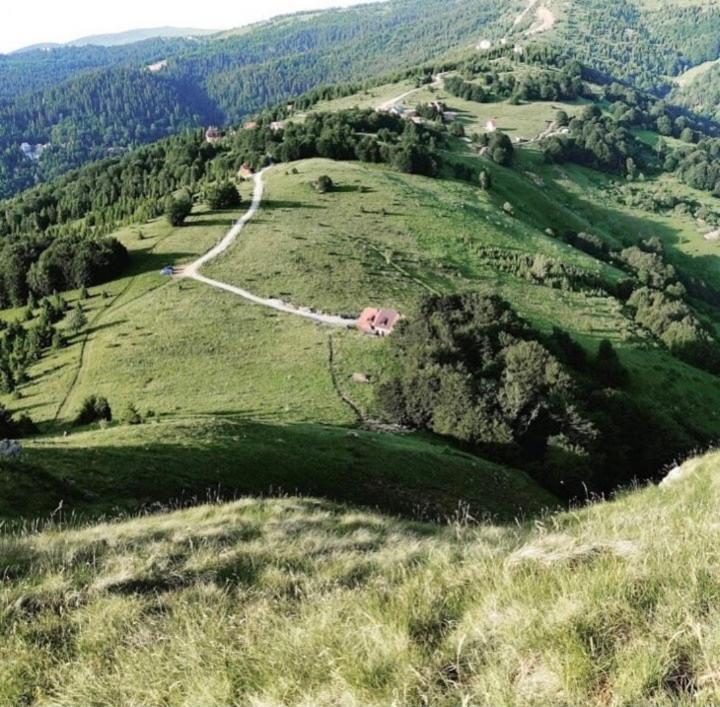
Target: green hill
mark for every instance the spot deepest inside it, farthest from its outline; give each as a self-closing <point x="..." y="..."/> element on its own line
<point x="298" y="602"/>
<point x="595" y="257"/>
<point x="420" y="518"/>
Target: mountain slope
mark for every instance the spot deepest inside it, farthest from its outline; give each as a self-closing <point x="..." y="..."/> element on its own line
<point x="595" y="263"/>
<point x="612" y="603"/>
<point x="232" y="76"/>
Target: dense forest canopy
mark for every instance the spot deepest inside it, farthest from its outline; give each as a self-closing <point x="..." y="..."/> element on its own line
<point x="84" y="102"/>
<point x="109" y="100"/>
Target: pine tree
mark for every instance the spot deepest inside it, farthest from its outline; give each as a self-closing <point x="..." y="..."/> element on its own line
<point x="77" y="319"/>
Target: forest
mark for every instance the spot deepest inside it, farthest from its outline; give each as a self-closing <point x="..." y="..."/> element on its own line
<point x="468" y="367"/>
<point x="96" y="102"/>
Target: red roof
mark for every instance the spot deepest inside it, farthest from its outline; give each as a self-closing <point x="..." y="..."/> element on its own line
<point x="366" y="322"/>
<point x="378" y="321"/>
<point x="386" y="320"/>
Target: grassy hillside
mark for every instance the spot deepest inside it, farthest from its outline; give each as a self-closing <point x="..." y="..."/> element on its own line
<point x="188" y="459"/>
<point x="213" y="372"/>
<point x="300" y="602"/>
<point x="386" y="239"/>
<point x="237" y="399"/>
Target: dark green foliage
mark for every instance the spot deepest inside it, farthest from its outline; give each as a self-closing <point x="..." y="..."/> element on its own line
<point x="8" y="427"/>
<point x="76" y="319"/>
<point x="471" y="369"/>
<point x="323" y="184"/>
<point x="608" y="369"/>
<point x="567" y="351"/>
<point x="20" y="347"/>
<point x="222" y="195"/>
<point x="88" y="114"/>
<point x="25" y="426"/>
<point x="178" y="208"/>
<point x="640" y="43"/>
<point x="132" y="416"/>
<point x="649" y="267"/>
<point x="95" y="408"/>
<point x="595" y="141"/>
<point x="673" y="322"/>
<point x="466" y="90"/>
<point x="499" y="147"/>
<point x="697" y="165"/>
<point x="75" y="262"/>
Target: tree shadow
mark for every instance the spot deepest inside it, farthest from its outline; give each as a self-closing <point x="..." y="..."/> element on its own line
<point x="272" y="204"/>
<point x="407" y="475"/>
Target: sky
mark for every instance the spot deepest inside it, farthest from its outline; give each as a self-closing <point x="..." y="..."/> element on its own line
<point x="36" y="21"/>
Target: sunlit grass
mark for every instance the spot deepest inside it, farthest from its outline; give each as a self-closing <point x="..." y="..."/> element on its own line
<point x="299" y="602"/>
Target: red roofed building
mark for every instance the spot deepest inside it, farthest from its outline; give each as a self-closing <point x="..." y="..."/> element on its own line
<point x="378" y="322"/>
<point x="246" y="171"/>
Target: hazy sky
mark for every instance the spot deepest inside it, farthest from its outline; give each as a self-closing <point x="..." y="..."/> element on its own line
<point x="26" y="22"/>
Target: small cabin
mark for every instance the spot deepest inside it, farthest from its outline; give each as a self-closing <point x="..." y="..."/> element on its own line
<point x="378" y="322"/>
<point x="250" y="125"/>
<point x="246" y="171"/>
<point x="277" y="125"/>
<point x="213" y="135"/>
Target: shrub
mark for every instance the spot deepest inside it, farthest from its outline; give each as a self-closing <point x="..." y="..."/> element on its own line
<point x="132" y="416"/>
<point x="76" y="319"/>
<point x="95" y="408"/>
<point x="222" y="195"/>
<point x="178" y="208"/>
<point x="323" y="184"/>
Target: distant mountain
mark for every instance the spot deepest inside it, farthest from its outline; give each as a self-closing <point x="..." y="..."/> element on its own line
<point x="119" y="39"/>
<point x="139" y="35"/>
<point x="88" y="101"/>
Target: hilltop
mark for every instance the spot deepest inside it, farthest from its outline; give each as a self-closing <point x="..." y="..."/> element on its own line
<point x="118" y="39"/>
<point x="298" y="602"/>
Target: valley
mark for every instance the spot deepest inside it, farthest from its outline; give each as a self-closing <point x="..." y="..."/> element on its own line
<point x="219" y="489"/>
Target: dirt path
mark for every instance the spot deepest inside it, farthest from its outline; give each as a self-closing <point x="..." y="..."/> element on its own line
<point x="192" y="271"/>
<point x="336" y="383"/>
<point x="436" y="83"/>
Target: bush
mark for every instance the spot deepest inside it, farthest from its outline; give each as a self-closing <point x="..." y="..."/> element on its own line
<point x="76" y="319"/>
<point x="222" y="195"/>
<point x="15" y="429"/>
<point x="95" y="408"/>
<point x="323" y="184"/>
<point x="132" y="416"/>
<point x="178" y="208"/>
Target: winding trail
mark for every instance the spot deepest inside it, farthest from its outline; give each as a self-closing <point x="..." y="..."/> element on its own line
<point x="436" y="83"/>
<point x="192" y="271"/>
